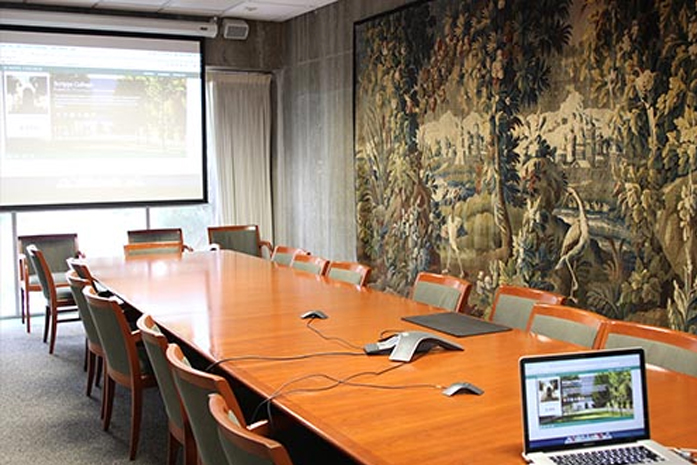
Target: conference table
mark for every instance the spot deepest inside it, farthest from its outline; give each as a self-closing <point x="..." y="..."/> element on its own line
<point x="225" y="304"/>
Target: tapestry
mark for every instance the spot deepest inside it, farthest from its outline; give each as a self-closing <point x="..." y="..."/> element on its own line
<point x="550" y="144"/>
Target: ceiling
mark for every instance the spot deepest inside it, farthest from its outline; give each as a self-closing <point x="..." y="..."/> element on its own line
<point x="259" y="10"/>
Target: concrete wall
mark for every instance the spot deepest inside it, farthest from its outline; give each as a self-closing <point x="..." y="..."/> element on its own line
<point x="313" y="178"/>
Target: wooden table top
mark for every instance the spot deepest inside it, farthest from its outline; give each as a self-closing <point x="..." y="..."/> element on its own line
<point x="227" y="304"/>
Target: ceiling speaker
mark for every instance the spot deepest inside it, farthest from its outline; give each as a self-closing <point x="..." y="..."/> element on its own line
<point x="235" y="29"/>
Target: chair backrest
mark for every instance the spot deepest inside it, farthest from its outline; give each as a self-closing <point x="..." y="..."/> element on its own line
<point x="242" y="446"/>
<point x="77" y="286"/>
<point x="673" y="350"/>
<point x="240" y="238"/>
<point x="447" y="292"/>
<point x="310" y="263"/>
<point x="568" y="324"/>
<point x="283" y="255"/>
<point x="156" y="346"/>
<point x="56" y="248"/>
<point x="155" y="235"/>
<point x="118" y="343"/>
<point x="43" y="273"/>
<point x="152" y="248"/>
<point x="513" y="304"/>
<point x="81" y="269"/>
<point x="194" y="387"/>
<point x="350" y="272"/>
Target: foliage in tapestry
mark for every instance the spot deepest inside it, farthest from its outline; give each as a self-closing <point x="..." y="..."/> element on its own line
<point x="551" y="144"/>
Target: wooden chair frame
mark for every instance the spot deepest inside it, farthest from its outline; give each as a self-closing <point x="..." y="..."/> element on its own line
<point x="654" y="333"/>
<point x="136" y="381"/>
<point x="55" y="305"/>
<point x="286" y="250"/>
<point x="577" y="315"/>
<point x="252" y="439"/>
<point x="462" y="286"/>
<point x="321" y="263"/>
<point x="237" y="228"/>
<point x="25" y="286"/>
<point x="538" y="295"/>
<point x="177" y="435"/>
<point x="207" y="381"/>
<point x="362" y="270"/>
<point x="138" y="249"/>
<point x="136" y="236"/>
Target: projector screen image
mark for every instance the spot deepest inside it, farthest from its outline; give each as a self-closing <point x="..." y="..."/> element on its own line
<point x="91" y="120"/>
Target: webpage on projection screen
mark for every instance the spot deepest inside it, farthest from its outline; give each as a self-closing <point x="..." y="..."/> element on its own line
<point x="118" y="120"/>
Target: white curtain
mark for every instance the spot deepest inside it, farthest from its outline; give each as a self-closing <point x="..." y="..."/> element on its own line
<point x="239" y="121"/>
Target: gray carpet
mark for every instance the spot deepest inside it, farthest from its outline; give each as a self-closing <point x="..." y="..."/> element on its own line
<point x="45" y="416"/>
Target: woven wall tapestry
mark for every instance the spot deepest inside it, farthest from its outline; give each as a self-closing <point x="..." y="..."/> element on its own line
<point x="550" y="144"/>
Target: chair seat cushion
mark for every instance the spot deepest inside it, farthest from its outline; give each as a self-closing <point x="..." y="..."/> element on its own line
<point x="64" y="293"/>
<point x="58" y="278"/>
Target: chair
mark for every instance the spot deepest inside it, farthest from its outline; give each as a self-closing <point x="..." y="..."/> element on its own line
<point x="568" y="324"/>
<point x="136" y="236"/>
<point x="283" y="255"/>
<point x="56" y="248"/>
<point x="156" y="345"/>
<point x="139" y="249"/>
<point x="245" y="446"/>
<point x="126" y="363"/>
<point x="513" y="304"/>
<point x="310" y="263"/>
<point x="673" y="350"/>
<point x="95" y="353"/>
<point x="350" y="272"/>
<point x="194" y="387"/>
<point x="240" y="238"/>
<point x="60" y="305"/>
<point x="447" y="292"/>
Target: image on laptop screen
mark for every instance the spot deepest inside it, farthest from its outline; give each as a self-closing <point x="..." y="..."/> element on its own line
<point x="583" y="399"/>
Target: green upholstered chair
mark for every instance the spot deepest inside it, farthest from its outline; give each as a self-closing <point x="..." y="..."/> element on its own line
<point x="136" y="236"/>
<point x="139" y="249"/>
<point x="446" y="292"/>
<point x="60" y="305"/>
<point x="245" y="446"/>
<point x="349" y="272"/>
<point x="310" y="263"/>
<point x="127" y="363"/>
<point x="672" y="350"/>
<point x="568" y="324"/>
<point x="194" y="387"/>
<point x="283" y="255"/>
<point x="513" y="304"/>
<point x="57" y="248"/>
<point x="95" y="353"/>
<point x="155" y="344"/>
<point x="240" y="238"/>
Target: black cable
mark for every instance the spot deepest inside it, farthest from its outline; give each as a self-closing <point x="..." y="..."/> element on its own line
<point x="331" y="338"/>
<point x="279" y="358"/>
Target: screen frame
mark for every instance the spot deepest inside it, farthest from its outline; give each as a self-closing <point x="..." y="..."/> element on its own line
<point x="523" y="361"/>
<point x="204" y="195"/>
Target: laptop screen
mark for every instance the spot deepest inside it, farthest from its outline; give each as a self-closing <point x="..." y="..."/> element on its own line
<point x="582" y="399"/>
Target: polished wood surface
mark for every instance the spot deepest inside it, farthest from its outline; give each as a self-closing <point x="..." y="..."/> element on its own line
<point x="228" y="304"/>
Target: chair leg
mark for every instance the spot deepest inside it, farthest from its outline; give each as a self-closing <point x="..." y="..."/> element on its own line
<point x="136" y="414"/>
<point x="172" y="449"/>
<point x="54" y="329"/>
<point x="98" y="371"/>
<point x="102" y="413"/>
<point x="190" y="451"/>
<point x="25" y="302"/>
<point x="47" y="323"/>
<point x="109" y="386"/>
<point x="87" y="356"/>
<point x="91" y="365"/>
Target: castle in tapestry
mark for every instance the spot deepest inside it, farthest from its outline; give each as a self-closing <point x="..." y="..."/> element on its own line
<point x="545" y="144"/>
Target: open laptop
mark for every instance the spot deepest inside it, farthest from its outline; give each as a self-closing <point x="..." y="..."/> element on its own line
<point x="588" y="403"/>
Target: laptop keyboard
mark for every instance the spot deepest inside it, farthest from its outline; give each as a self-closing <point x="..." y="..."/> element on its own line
<point x="619" y="456"/>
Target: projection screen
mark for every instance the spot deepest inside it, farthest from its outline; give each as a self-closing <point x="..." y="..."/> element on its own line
<point x="90" y="119"/>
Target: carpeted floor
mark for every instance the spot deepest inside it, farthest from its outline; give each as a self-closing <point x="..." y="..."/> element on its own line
<point x="45" y="416"/>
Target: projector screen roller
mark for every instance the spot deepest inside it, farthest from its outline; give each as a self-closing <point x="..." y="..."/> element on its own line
<point x="100" y="120"/>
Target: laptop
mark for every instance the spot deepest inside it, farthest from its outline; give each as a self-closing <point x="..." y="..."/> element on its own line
<point x="579" y="407"/>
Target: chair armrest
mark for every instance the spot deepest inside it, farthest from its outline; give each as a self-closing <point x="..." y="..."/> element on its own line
<point x="269" y="249"/>
<point x="137" y="336"/>
<point x="213" y="246"/>
<point x="187" y="248"/>
<point x="23" y="268"/>
<point x="261" y="427"/>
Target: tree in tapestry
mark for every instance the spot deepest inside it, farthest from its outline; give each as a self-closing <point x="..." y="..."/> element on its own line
<point x="550" y="144"/>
